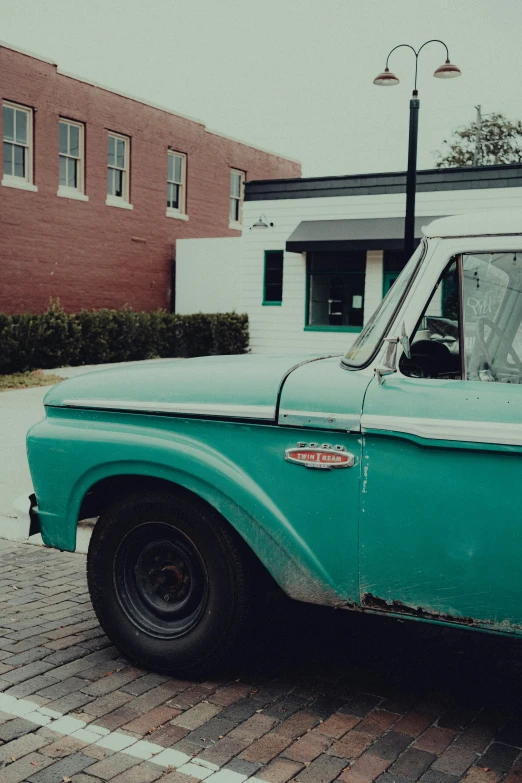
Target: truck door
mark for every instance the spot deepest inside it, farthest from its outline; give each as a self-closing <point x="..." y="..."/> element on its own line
<point x="440" y="512"/>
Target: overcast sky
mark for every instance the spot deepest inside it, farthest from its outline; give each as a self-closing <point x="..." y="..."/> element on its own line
<point x="292" y="76"/>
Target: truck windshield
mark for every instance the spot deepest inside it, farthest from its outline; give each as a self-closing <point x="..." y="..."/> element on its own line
<point x="371" y="336"/>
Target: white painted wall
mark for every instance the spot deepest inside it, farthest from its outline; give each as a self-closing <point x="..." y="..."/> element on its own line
<point x="373" y="283"/>
<point x="208" y="275"/>
<point x="216" y="275"/>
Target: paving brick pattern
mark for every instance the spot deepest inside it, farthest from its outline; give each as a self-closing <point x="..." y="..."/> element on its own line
<point x="329" y="697"/>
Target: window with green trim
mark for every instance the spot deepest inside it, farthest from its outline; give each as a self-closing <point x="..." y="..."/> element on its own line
<point x="394" y="262"/>
<point x="273" y="279"/>
<point x="335" y="290"/>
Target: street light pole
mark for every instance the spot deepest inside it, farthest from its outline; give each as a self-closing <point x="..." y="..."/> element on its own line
<point x="387" y="79"/>
<point x="411" y="176"/>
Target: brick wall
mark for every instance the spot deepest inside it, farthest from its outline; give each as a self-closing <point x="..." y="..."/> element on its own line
<point x="90" y="254"/>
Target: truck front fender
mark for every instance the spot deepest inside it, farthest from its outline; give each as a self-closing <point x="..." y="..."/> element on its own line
<point x="82" y="456"/>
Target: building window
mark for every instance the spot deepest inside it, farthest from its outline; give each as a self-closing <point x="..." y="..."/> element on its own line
<point x="335" y="291"/>
<point x="176" y="184"/>
<point x="118" y="156"/>
<point x="237" y="182"/>
<point x="71" y="158"/>
<point x="273" y="279"/>
<point x="393" y="263"/>
<point x="18" y="146"/>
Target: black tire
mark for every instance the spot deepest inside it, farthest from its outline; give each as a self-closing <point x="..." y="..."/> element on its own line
<point x="167" y="580"/>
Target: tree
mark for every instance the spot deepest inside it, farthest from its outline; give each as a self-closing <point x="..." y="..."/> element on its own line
<point x="490" y="140"/>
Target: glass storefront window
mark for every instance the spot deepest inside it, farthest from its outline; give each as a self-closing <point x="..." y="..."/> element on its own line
<point x="335" y="285"/>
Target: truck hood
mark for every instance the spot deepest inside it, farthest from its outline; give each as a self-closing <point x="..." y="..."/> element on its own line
<point x="245" y="386"/>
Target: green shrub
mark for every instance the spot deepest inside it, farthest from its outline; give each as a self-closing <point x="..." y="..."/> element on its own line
<point x="55" y="338"/>
<point x="167" y="331"/>
<point x="9" y="347"/>
<point x="159" y="341"/>
<point x="26" y="332"/>
<point x="230" y="334"/>
<point x="95" y="327"/>
<point x="194" y="335"/>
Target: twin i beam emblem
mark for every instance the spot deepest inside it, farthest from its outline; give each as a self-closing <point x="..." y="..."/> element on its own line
<point x="323" y="457"/>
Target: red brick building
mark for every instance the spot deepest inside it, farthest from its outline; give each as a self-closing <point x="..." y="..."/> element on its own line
<point x="97" y="187"/>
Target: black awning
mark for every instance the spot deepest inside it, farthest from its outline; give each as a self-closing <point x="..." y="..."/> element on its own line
<point x="357" y="234"/>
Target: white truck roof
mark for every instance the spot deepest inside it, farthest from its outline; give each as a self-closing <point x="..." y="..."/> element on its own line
<point x="491" y="223"/>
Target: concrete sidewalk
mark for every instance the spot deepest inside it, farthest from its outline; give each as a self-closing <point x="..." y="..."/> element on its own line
<point x="19" y="410"/>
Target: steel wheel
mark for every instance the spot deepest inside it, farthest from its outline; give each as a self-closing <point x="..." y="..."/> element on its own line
<point x="160" y="580"/>
<point x="168" y="582"/>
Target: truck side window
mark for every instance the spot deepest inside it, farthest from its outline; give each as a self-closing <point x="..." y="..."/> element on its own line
<point x="492" y="304"/>
<point x="435" y="345"/>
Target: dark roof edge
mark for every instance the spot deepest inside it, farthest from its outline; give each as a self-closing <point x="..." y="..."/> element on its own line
<point x="385" y="174"/>
<point x="461" y="178"/>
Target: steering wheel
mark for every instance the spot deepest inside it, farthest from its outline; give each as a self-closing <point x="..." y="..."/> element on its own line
<point x="484" y="350"/>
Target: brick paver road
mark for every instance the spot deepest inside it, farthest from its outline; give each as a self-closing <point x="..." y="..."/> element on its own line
<point x="330" y="696"/>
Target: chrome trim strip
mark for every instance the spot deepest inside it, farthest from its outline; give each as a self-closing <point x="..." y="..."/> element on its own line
<point x="500" y="433"/>
<point x="223" y="410"/>
<point x="329" y="421"/>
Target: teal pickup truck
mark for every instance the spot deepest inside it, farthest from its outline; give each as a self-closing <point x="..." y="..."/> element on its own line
<point x="385" y="480"/>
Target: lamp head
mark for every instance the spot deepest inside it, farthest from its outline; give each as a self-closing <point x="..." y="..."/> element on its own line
<point x="260" y="224"/>
<point x="447" y="71"/>
<point x="386" y="79"/>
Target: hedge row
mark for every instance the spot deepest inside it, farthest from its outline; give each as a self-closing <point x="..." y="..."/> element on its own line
<point x="56" y="338"/>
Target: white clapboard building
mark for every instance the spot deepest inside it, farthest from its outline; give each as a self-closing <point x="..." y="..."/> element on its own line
<point x="316" y="255"/>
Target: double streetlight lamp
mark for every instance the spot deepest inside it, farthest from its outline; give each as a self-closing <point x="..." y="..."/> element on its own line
<point x="388" y="79"/>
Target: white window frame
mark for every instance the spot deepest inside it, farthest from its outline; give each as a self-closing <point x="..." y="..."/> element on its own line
<point x="236" y="224"/>
<point x="123" y="200"/>
<point x="181" y="212"/>
<point x="78" y="192"/>
<point x="26" y="182"/>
